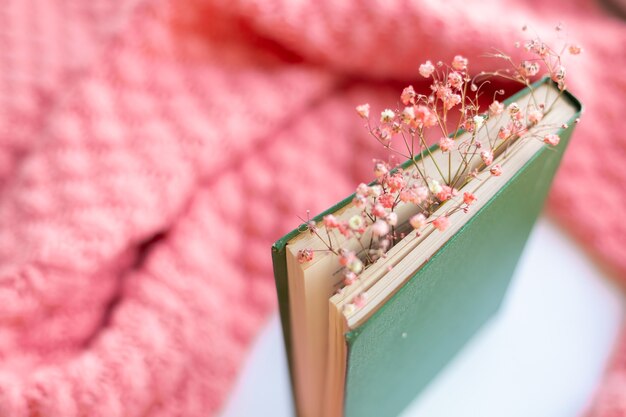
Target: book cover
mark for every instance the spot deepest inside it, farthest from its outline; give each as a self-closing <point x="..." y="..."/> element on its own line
<point x="395" y="353"/>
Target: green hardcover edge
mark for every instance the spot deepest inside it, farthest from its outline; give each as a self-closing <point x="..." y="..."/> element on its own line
<point x="279" y="260"/>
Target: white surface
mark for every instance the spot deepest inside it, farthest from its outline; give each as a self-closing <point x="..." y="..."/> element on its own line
<point x="541" y="356"/>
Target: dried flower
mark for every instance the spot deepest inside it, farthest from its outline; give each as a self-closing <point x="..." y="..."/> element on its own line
<point x="392" y="219"/>
<point x="496" y="108"/>
<point x="356" y="222"/>
<point x="387" y="115"/>
<point x="445" y="144"/>
<point x="408" y="96"/>
<point x="469" y="198"/>
<point x="426" y="69"/>
<point x="417" y="221"/>
<point x="304" y="255"/>
<point x="574" y="49"/>
<point x="459" y="63"/>
<point x="330" y="221"/>
<point x="380" y="228"/>
<point x="363" y="110"/>
<point x="487" y="157"/>
<point x="441" y="223"/>
<point x="535" y="116"/>
<point x="496" y="170"/>
<point x="551" y="139"/>
<point x="455" y="80"/>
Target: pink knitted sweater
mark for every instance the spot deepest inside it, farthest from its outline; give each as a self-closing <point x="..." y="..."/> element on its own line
<point x="152" y="150"/>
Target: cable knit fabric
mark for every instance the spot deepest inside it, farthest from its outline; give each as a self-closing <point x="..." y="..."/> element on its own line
<point x="151" y="151"/>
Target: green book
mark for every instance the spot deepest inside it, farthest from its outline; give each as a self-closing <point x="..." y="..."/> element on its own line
<point x="426" y="298"/>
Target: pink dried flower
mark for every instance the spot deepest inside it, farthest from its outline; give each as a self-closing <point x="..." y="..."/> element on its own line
<point x="363" y="110"/>
<point x="535" y="116"/>
<point x="421" y="194"/>
<point x="408" y="96"/>
<point x="360" y="300"/>
<point x="469" y="198"/>
<point x="417" y="221"/>
<point x="426" y="69"/>
<point x="384" y="134"/>
<point x="441" y="223"/>
<point x="504" y="133"/>
<point x="496" y="170"/>
<point x="407" y="195"/>
<point x="349" y="277"/>
<point x="378" y="210"/>
<point x="359" y="201"/>
<point x="459" y="63"/>
<point x="513" y="109"/>
<point x="380" y="169"/>
<point x="387" y="116"/>
<point x="496" y="108"/>
<point x="451" y="100"/>
<point x="446" y="144"/>
<point x="445" y="193"/>
<point x="408" y="114"/>
<point x="552" y="139"/>
<point x="305" y="255"/>
<point x="529" y="69"/>
<point x="375" y="190"/>
<point x="362" y="190"/>
<point x="424" y="117"/>
<point x="331" y="222"/>
<point x="345" y="257"/>
<point x="455" y="80"/>
<point x="574" y="49"/>
<point x="559" y="74"/>
<point x="387" y="200"/>
<point x="392" y="219"/>
<point x="380" y="228"/>
<point x="487" y="157"/>
<point x="395" y="182"/>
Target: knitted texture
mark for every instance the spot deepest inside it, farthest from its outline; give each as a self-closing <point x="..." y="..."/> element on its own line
<point x="151" y="152"/>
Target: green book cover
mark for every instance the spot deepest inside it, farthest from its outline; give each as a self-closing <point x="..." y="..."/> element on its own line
<point x="394" y="354"/>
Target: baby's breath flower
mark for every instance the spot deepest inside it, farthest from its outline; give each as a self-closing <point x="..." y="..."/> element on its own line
<point x="426" y="69"/>
<point x="441" y="223"/>
<point x="355" y="265"/>
<point x="417" y="221"/>
<point x="478" y="121"/>
<point x="392" y="219"/>
<point x="408" y="114"/>
<point x="496" y="170"/>
<point x="330" y="221"/>
<point x="380" y="228"/>
<point x="387" y="115"/>
<point x="455" y="80"/>
<point x="434" y="186"/>
<point x="305" y="255"/>
<point x="408" y="96"/>
<point x="574" y="49"/>
<point x="469" y="198"/>
<point x="496" y="108"/>
<point x="363" y="110"/>
<point x="459" y="63"/>
<point x="378" y="210"/>
<point x="356" y="222"/>
<point x="375" y="190"/>
<point x="446" y="144"/>
<point x="362" y="190"/>
<point x="380" y="169"/>
<point x="487" y="157"/>
<point x="535" y="116"/>
<point x="504" y="133"/>
<point x="513" y="109"/>
<point x="552" y="139"/>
